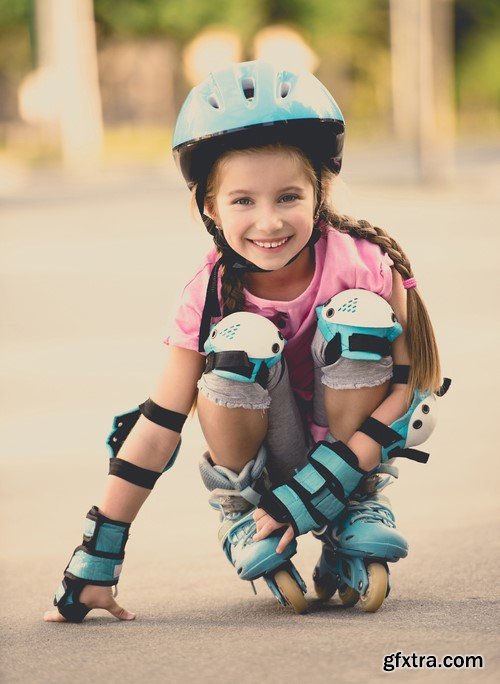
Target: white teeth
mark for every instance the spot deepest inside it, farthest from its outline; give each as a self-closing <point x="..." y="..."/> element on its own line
<point x="269" y="245"/>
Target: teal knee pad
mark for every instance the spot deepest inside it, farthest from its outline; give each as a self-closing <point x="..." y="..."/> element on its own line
<point x="359" y="325"/>
<point x="244" y="346"/>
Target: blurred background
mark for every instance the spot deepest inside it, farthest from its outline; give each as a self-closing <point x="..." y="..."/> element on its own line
<point x="100" y="82"/>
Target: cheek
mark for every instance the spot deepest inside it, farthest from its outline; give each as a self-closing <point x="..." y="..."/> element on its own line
<point x="232" y="224"/>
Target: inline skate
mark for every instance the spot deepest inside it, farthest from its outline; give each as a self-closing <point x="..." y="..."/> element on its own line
<point x="235" y="497"/>
<point x="358" y="546"/>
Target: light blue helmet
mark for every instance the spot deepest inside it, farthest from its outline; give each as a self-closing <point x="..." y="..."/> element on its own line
<point x="253" y="104"/>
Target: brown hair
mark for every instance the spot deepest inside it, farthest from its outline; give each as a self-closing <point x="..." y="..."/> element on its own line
<point x="425" y="371"/>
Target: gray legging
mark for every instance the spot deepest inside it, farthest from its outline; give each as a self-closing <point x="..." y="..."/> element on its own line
<point x="287" y="441"/>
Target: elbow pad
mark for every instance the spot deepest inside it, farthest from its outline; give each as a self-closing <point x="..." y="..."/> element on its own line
<point x="122" y="426"/>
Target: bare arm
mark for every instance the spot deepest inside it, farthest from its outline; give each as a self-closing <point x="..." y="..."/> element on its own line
<point x="149" y="445"/>
<point x="395" y="404"/>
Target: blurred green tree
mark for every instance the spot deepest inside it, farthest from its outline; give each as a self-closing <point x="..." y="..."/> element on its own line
<point x="351" y="39"/>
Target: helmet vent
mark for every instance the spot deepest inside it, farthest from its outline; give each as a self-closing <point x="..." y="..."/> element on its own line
<point x="285" y="88"/>
<point x="248" y="85"/>
<point x="213" y="101"/>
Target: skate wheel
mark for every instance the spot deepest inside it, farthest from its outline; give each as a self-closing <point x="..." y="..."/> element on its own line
<point x="291" y="591"/>
<point x="325" y="591"/>
<point x="377" y="588"/>
<point x="348" y="596"/>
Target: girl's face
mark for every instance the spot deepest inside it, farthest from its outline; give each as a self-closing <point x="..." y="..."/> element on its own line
<point x="264" y="204"/>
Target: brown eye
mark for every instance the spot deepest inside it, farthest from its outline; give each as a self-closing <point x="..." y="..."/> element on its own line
<point x="330" y="312"/>
<point x="425" y="408"/>
<point x="417" y="424"/>
<point x="275" y="348"/>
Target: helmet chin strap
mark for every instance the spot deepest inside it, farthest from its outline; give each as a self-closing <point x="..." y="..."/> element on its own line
<point x="231" y="259"/>
<point x="234" y="260"/>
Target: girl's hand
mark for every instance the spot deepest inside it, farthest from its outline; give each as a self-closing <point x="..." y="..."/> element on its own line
<point x="94" y="596"/>
<point x="266" y="524"/>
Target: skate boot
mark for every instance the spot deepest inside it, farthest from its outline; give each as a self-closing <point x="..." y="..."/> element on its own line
<point x="358" y="546"/>
<point x="236" y="497"/>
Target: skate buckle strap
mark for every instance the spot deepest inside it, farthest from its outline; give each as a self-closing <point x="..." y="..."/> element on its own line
<point x="250" y="495"/>
<point x="372" y="510"/>
<point x="240" y="526"/>
<point x="318" y="492"/>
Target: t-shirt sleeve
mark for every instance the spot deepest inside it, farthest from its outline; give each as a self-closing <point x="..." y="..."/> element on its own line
<point x="373" y="269"/>
<point x="184" y="328"/>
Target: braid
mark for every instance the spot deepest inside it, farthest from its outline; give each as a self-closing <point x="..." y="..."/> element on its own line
<point x="425" y="371"/>
<point x="233" y="298"/>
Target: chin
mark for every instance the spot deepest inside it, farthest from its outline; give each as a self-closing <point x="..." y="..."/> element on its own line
<point x="270" y="264"/>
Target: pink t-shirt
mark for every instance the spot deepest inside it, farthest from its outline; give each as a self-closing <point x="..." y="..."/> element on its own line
<point x="341" y="263"/>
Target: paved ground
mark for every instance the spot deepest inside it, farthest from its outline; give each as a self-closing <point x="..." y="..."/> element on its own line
<point x="91" y="268"/>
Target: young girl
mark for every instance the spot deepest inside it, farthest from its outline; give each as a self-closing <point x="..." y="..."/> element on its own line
<point x="283" y="339"/>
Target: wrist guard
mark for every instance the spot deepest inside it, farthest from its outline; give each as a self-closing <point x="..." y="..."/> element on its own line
<point x="98" y="560"/>
<point x="317" y="494"/>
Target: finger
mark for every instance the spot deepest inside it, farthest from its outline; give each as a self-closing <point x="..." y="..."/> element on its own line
<point x="266" y="529"/>
<point x="119" y="612"/>
<point x="53" y="616"/>
<point x="259" y="524"/>
<point x="258" y="514"/>
<point x="285" y="540"/>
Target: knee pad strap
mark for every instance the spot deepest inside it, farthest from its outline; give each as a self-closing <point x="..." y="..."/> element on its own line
<point x="318" y="492"/>
<point x="237" y="366"/>
<point x="357" y="324"/>
<point x="244" y="346"/>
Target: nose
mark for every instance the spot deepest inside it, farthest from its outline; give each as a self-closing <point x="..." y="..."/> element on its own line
<point x="269" y="220"/>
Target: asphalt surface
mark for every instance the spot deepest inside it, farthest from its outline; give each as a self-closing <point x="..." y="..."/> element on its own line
<point x="91" y="270"/>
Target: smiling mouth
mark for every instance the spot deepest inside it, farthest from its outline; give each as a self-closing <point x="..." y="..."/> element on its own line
<point x="271" y="244"/>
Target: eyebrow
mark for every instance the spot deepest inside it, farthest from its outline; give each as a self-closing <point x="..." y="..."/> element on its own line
<point x="290" y="188"/>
